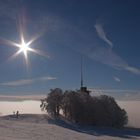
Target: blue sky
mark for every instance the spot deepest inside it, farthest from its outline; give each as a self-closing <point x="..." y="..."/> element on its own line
<point x="105" y="33"/>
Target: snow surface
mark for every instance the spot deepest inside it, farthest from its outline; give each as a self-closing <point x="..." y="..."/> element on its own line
<point x="40" y="127"/>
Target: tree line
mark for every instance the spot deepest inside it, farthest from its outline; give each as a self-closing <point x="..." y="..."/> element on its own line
<point x="82" y="108"/>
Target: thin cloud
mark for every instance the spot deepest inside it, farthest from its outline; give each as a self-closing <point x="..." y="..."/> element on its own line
<point x="18" y="82"/>
<point x="21" y="98"/>
<point x="133" y="70"/>
<point x="116" y="79"/>
<point x="23" y="82"/>
<point x="48" y="78"/>
<point x="109" y="57"/>
<point x="101" y="33"/>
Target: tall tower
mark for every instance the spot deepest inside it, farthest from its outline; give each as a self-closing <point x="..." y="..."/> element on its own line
<point x="83" y="89"/>
<point x="81" y="71"/>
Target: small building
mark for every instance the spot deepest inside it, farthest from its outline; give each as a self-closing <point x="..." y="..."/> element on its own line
<point x="85" y="90"/>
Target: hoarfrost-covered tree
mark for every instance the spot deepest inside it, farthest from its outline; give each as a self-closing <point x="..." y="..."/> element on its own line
<point x="53" y="102"/>
<point x="82" y="108"/>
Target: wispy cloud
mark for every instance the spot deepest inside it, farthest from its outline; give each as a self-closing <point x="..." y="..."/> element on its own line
<point x="89" y="46"/>
<point x="23" y="82"/>
<point x="108" y="56"/>
<point x="21" y="97"/>
<point x="47" y="78"/>
<point x="18" y="82"/>
<point x="101" y="33"/>
<point x="133" y="70"/>
<point x="117" y="79"/>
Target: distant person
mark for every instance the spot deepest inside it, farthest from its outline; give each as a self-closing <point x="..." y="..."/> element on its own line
<point x="17" y="114"/>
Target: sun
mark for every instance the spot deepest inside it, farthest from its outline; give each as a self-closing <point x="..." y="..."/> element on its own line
<point x="24" y="48"/>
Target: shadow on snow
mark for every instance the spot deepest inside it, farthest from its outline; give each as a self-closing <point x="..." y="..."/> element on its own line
<point x="126" y="132"/>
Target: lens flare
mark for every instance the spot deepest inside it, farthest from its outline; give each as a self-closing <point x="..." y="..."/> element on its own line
<point x="24" y="47"/>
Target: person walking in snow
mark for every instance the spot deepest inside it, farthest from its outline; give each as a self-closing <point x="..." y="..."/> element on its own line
<point x="17" y="114"/>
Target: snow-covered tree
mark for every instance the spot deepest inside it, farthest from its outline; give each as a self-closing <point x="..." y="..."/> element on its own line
<point x="53" y="102"/>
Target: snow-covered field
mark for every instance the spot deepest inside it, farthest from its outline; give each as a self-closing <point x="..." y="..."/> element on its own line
<point x="40" y="127"/>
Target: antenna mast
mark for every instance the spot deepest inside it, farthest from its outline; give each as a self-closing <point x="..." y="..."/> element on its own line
<point x="81" y="71"/>
<point x="83" y="89"/>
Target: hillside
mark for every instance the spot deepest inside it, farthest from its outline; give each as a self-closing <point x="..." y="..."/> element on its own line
<point x="40" y="127"/>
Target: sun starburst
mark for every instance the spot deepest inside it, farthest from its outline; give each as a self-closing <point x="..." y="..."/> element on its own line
<point x="24" y="47"/>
